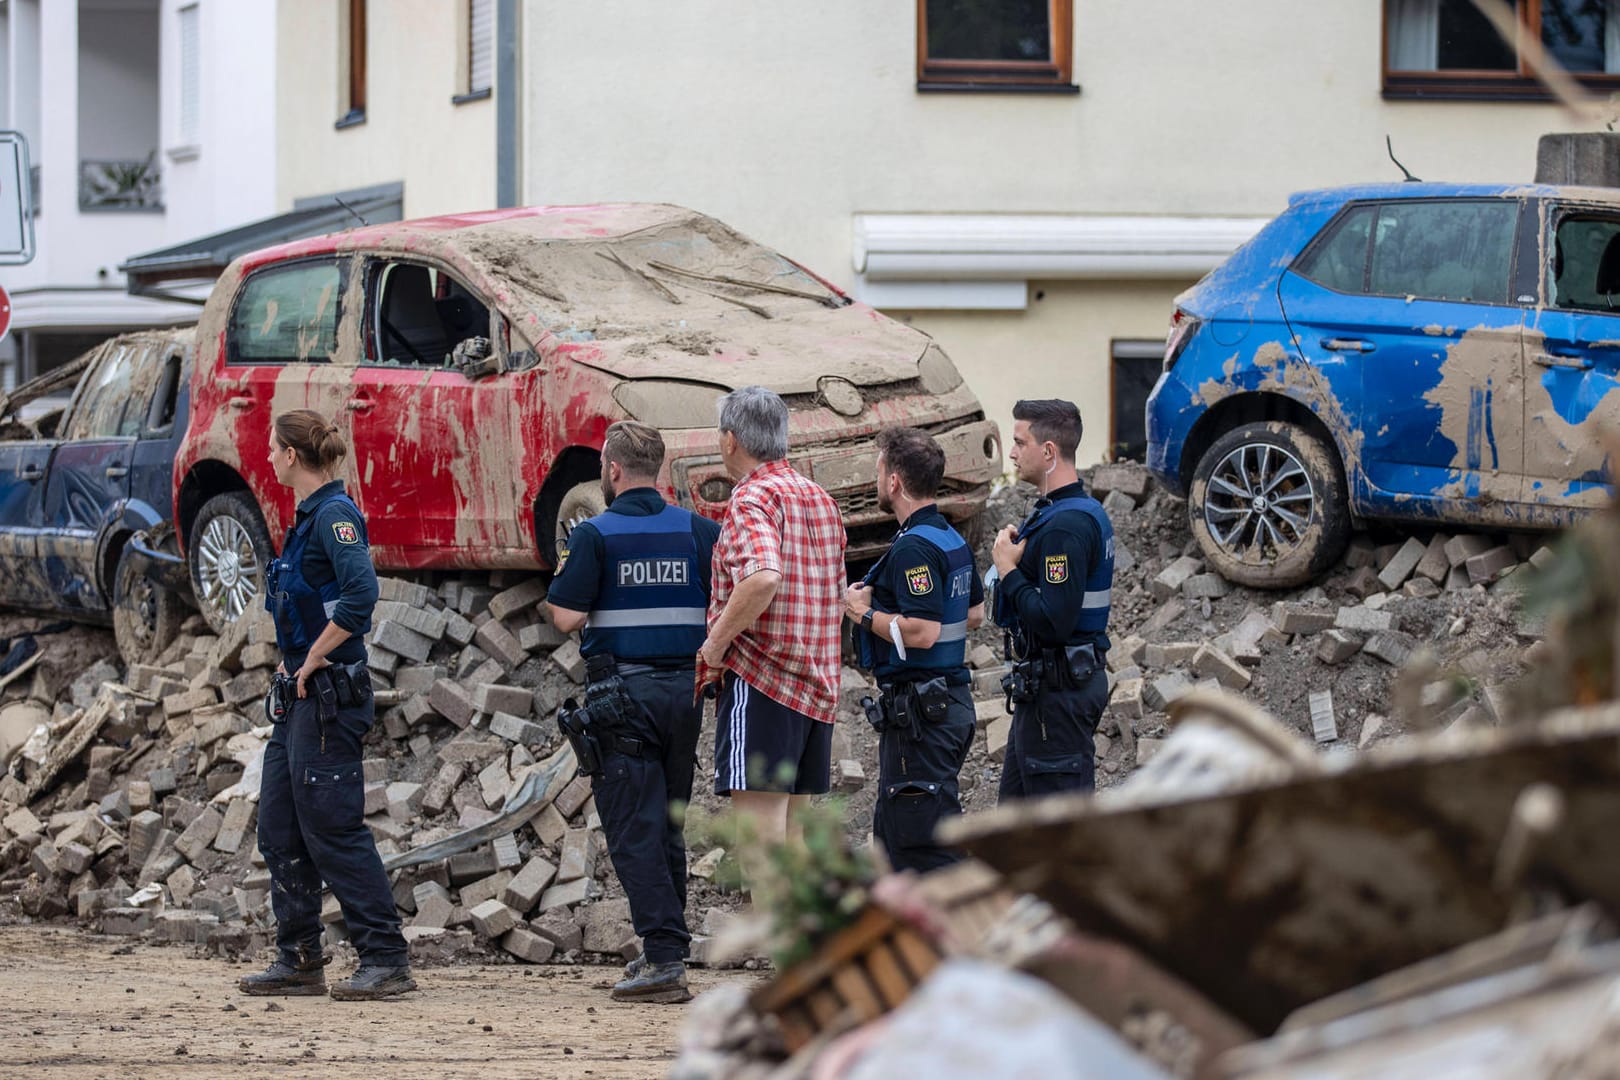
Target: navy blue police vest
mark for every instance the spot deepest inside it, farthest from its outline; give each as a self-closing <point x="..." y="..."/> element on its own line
<point x="949" y="651"/>
<point x="1099" y="575"/>
<point x="302" y="611"/>
<point x="651" y="604"/>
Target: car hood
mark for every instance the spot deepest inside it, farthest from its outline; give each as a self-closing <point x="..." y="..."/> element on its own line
<point x="788" y="354"/>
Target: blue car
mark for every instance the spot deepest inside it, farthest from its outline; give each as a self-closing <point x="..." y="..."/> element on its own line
<point x="86" y="491"/>
<point x="1436" y="354"/>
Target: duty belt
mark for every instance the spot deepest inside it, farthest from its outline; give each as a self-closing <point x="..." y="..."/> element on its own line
<point x="1064" y="668"/>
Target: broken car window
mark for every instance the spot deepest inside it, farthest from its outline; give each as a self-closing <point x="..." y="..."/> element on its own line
<point x="1442" y="249"/>
<point x="421" y="314"/>
<point x="99" y="413"/>
<point x="1586" y="264"/>
<point x="288" y="314"/>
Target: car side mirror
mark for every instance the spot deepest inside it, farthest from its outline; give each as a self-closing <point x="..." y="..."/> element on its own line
<point x="475" y="358"/>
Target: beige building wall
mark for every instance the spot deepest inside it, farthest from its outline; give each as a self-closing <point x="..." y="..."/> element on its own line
<point x="416" y="63"/>
<point x="787" y="120"/>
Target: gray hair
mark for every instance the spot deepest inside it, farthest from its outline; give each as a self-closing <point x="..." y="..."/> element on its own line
<point x="759" y="419"/>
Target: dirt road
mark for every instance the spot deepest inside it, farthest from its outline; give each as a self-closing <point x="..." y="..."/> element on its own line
<point x="80" y="1005"/>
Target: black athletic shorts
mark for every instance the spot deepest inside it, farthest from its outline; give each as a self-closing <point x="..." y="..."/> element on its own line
<point x="762" y="745"/>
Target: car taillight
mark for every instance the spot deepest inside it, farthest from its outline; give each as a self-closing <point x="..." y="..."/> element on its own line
<point x="1182" y="327"/>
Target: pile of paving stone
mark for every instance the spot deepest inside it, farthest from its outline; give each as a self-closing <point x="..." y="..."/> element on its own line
<point x="149" y="828"/>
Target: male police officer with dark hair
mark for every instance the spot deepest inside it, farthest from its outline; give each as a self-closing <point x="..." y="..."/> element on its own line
<point x="636" y="578"/>
<point x="913" y="612"/>
<point x="1056" y="576"/>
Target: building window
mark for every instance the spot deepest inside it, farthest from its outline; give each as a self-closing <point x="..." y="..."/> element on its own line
<point x="480" y="46"/>
<point x="354" y="56"/>
<point x="1448" y="49"/>
<point x="190" y="77"/>
<point x="995" y="44"/>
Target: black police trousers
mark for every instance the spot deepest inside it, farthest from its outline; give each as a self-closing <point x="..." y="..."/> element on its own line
<point x="312" y="829"/>
<point x="918" y="784"/>
<point x="1052" y="746"/>
<point x="634" y="796"/>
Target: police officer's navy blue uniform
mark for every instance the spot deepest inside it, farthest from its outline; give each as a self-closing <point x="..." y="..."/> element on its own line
<point x="1054" y="605"/>
<point x="927" y="573"/>
<point x="641" y="569"/>
<point x="312" y="796"/>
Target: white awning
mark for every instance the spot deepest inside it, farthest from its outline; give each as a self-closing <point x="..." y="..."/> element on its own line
<point x="987" y="260"/>
<point x="110" y="309"/>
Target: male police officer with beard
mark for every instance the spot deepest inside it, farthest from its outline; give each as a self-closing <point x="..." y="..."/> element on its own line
<point x="636" y="578"/>
<point x="913" y="612"/>
<point x="1056" y="576"/>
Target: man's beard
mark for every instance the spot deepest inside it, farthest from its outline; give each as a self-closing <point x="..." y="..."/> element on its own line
<point x="885" y="503"/>
<point x="607" y="492"/>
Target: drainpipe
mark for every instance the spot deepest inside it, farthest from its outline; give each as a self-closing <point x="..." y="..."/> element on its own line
<point x="506" y="103"/>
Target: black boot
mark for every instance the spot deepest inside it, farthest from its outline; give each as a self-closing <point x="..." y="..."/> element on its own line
<point x="374" y="981"/>
<point x="660" y="984"/>
<point x="281" y="979"/>
<point x="636" y="966"/>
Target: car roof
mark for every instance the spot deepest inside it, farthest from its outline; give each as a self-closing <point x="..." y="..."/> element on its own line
<point x="1429" y="190"/>
<point x="533" y="224"/>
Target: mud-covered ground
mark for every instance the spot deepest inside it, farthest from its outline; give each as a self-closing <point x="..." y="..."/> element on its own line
<point x="77" y="1004"/>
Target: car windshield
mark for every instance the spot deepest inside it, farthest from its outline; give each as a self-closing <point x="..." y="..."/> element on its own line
<point x="693" y="271"/>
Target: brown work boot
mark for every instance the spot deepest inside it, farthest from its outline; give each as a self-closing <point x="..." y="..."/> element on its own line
<point x="281" y="979"/>
<point x="373" y="981"/>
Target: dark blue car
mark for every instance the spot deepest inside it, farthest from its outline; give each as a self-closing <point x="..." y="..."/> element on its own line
<point x="86" y="492"/>
<point x="1427" y="353"/>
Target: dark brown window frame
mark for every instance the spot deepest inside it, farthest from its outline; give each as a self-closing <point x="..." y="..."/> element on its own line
<point x="357" y="65"/>
<point x="1458" y="85"/>
<point x="1051" y="76"/>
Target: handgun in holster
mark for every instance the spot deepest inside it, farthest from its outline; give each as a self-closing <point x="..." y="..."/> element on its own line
<point x="279" y="698"/>
<point x="574" y="722"/>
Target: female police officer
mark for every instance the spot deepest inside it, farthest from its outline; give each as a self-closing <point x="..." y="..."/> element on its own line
<point x="321" y="592"/>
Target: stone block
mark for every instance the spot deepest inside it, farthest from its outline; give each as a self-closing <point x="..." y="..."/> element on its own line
<point x="409" y="593"/>
<point x="566" y="894"/>
<point x="524" y="890"/>
<point x="996" y="736"/>
<point x="1459" y="549"/>
<point x="848" y="776"/>
<point x="1210" y="662"/>
<point x="1363" y="619"/>
<point x="1114" y="504"/>
<point x="452" y="702"/>
<point x="144" y="830"/>
<point x="234" y="826"/>
<point x="492" y="918"/>
<point x="1170" y="580"/>
<point x="1126" y="699"/>
<point x="572" y="797"/>
<point x="1392" y="647"/>
<point x="1363" y="582"/>
<point x="1401" y="565"/>
<point x="520" y="597"/>
<point x="605" y="925"/>
<point x="436" y="795"/>
<point x="1324" y="725"/>
<point x="1337" y="646"/>
<point x="982" y="656"/>
<point x="1159" y="693"/>
<point x="1161" y="620"/>
<point x="469" y="866"/>
<point x="183" y="703"/>
<point x="567" y="657"/>
<point x="402" y="641"/>
<point x="986" y="711"/>
<point x="126" y="921"/>
<point x="1205" y="587"/>
<point x="527" y="945"/>
<point x="194" y="842"/>
<point x="487" y="888"/>
<point x="45" y="860"/>
<point x="501" y="644"/>
<point x="458" y="629"/>
<point x="516" y="729"/>
<point x="1435" y="564"/>
<point x="403" y="798"/>
<point x="428" y="622"/>
<point x="1125" y="478"/>
<point x="1170" y="654"/>
<point x="1484" y="567"/>
<point x="558" y="926"/>
<point x="540" y="637"/>
<point x="498" y="697"/>
<point x="22" y="822"/>
<point x="577" y="858"/>
<point x="493" y="782"/>
<point x="549" y="825"/>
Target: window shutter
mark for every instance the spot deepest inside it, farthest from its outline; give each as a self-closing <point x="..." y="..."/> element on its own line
<point x="481" y="40"/>
<point x="190" y="77"/>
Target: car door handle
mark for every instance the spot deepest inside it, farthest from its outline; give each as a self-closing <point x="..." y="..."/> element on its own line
<point x="1557" y="360"/>
<point x="31" y="472"/>
<point x="1339" y="344"/>
<point x="358" y="404"/>
<point x="116" y="472"/>
<point x="239" y="402"/>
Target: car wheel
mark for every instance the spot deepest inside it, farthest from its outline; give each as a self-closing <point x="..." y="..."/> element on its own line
<point x="228" y="554"/>
<point x="581" y="502"/>
<point x="1268" y="505"/>
<point x="146" y="617"/>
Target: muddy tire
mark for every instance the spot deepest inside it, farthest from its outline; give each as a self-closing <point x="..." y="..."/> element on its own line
<point x="582" y="501"/>
<point x="1268" y="506"/>
<point x="146" y="618"/>
<point x="228" y="554"/>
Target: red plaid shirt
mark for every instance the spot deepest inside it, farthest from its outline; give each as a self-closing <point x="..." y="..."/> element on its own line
<point x="778" y="520"/>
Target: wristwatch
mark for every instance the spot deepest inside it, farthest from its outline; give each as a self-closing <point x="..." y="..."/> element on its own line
<point x="866" y="620"/>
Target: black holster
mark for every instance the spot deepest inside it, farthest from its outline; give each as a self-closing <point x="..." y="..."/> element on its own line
<point x="278" y="700"/>
<point x="575" y="724"/>
<point x="601" y="721"/>
<point x="910" y="705"/>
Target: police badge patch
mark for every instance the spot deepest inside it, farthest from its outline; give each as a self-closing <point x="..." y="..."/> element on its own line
<point x="919" y="581"/>
<point x="1057" y="569"/>
<point x="345" y="532"/>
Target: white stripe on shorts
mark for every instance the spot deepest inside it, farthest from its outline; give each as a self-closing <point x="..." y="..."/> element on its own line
<point x="739" y="691"/>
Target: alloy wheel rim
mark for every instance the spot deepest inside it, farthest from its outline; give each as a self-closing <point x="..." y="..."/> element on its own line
<point x="1258" y="503"/>
<point x="227" y="567"/>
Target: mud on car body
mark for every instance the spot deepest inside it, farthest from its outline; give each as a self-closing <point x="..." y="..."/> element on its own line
<point x="1436" y="353"/>
<point x="85" y="491"/>
<point x="475" y="362"/>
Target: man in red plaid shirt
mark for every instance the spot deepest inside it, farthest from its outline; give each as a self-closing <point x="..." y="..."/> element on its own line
<point x="774" y="616"/>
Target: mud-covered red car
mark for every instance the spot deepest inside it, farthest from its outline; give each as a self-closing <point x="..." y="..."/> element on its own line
<point x="475" y="362"/>
<point x="85" y="489"/>
<point x="1425" y="353"/>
